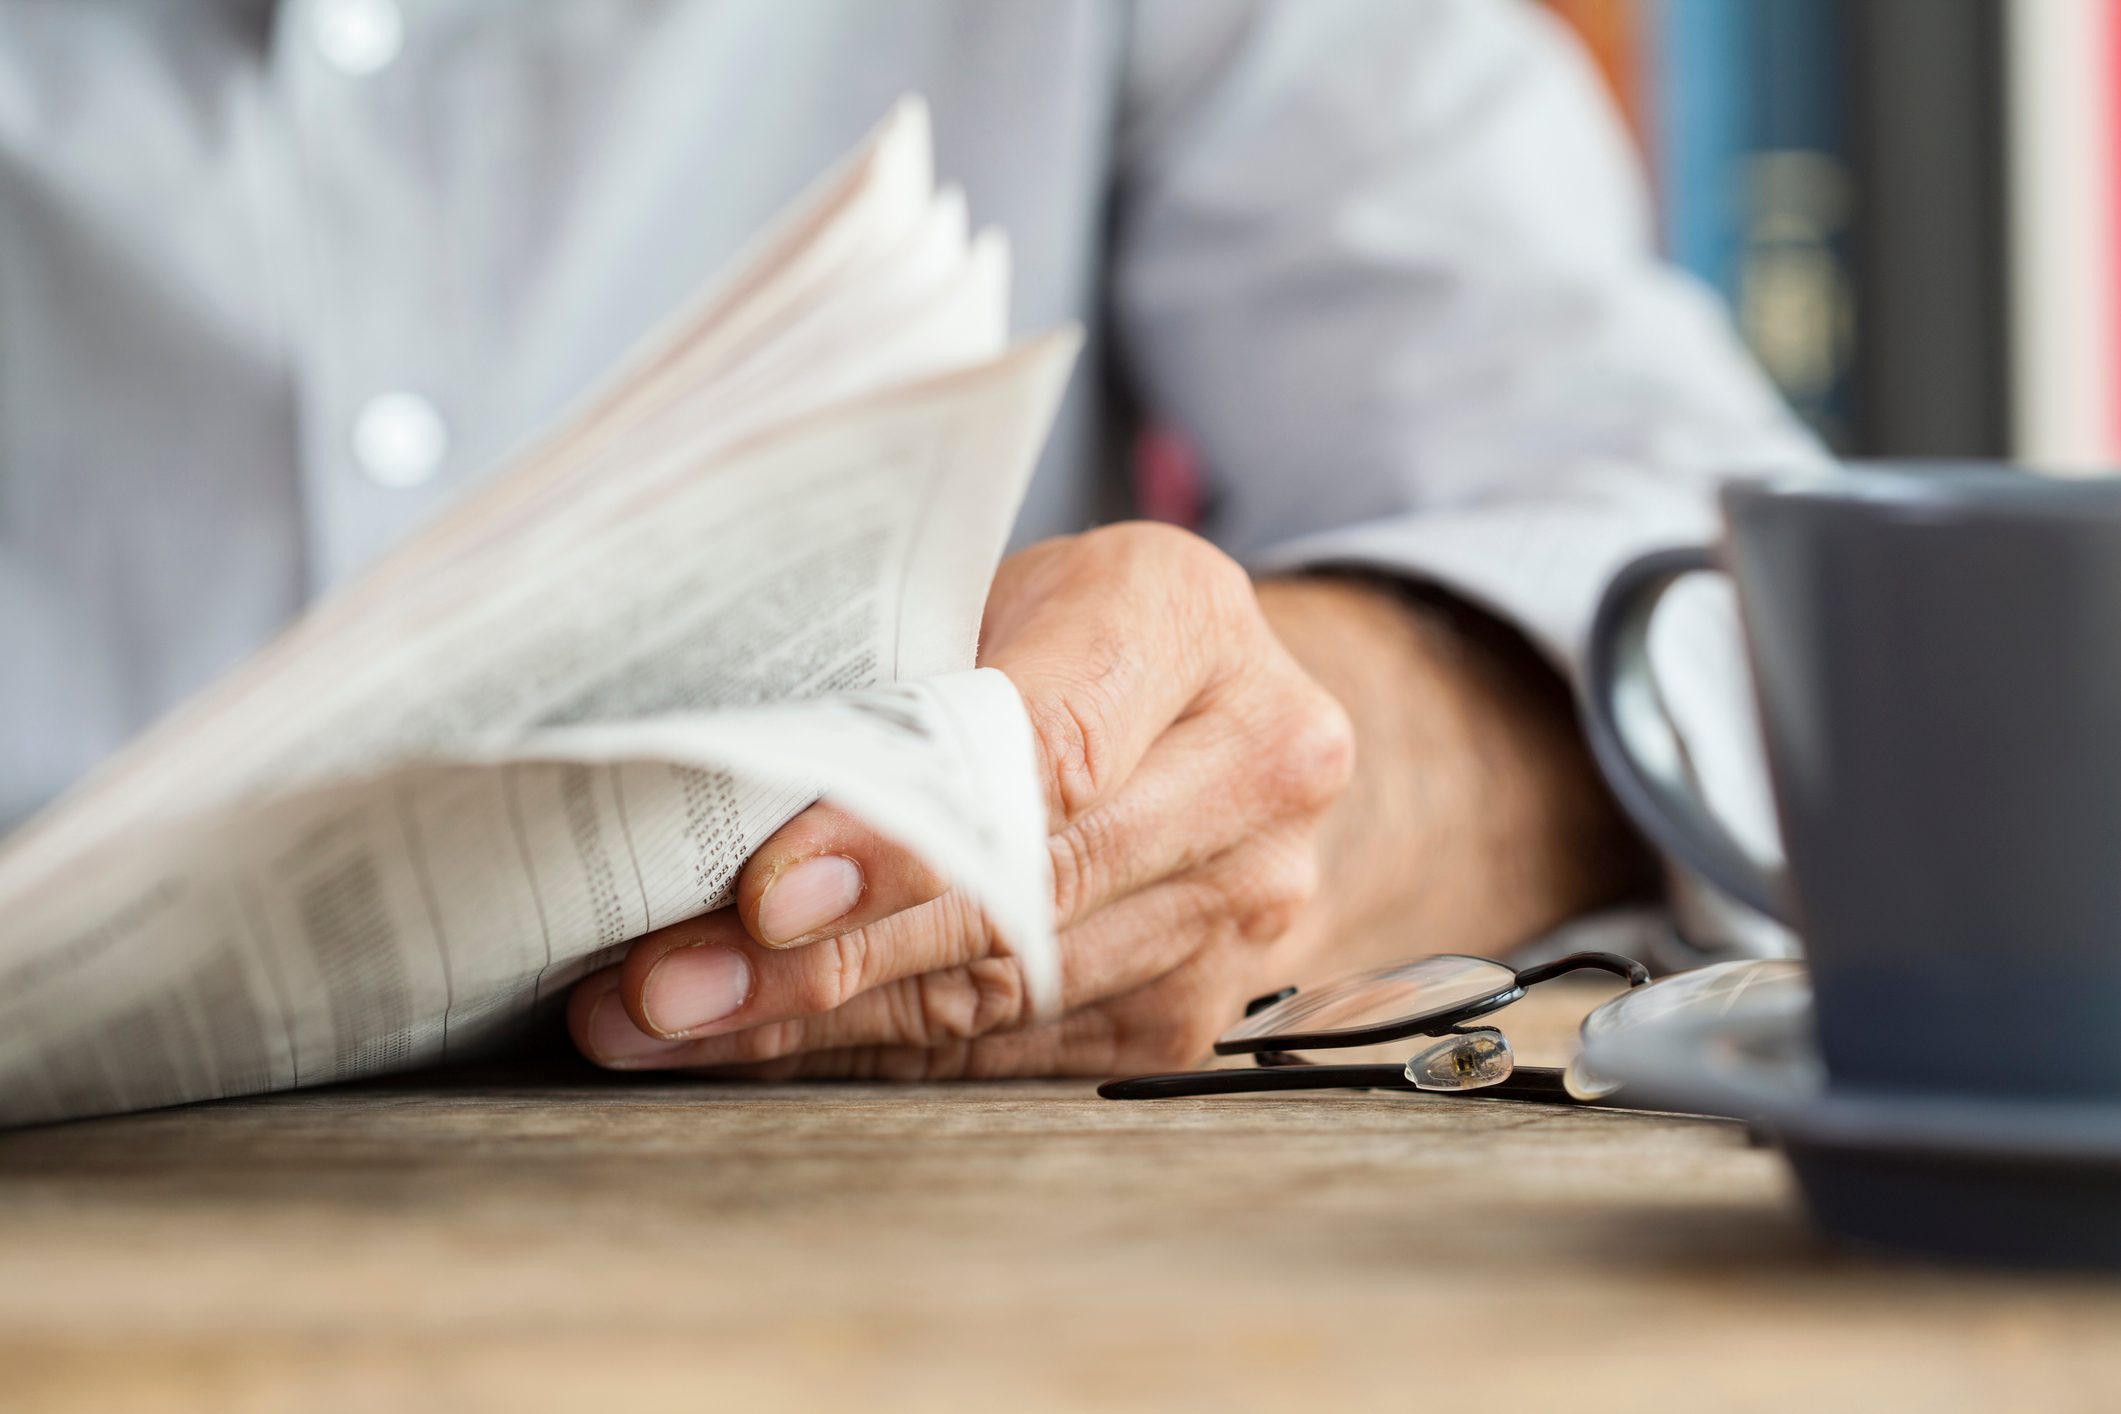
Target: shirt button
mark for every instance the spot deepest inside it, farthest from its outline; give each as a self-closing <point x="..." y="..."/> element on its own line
<point x="399" y="439"/>
<point x="358" y="37"/>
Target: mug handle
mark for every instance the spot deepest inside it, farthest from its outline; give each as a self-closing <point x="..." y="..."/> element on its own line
<point x="1638" y="748"/>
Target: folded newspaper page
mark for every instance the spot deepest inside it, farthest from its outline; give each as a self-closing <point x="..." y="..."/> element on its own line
<point x="746" y="573"/>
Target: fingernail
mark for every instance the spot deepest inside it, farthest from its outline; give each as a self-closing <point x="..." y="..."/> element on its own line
<point x="613" y="1038"/>
<point x="808" y="896"/>
<point x="690" y="987"/>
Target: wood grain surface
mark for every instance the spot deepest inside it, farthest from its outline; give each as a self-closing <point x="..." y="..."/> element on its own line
<point x="546" y="1237"/>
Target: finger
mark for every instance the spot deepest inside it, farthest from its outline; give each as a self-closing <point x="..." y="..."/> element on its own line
<point x="1158" y="1028"/>
<point x="707" y="976"/>
<point x="1071" y="1045"/>
<point x="1213" y="782"/>
<point x="591" y="1024"/>
<point x="1248" y="896"/>
<point x="1198" y="793"/>
<point x="1108" y="650"/>
<point x="825" y="873"/>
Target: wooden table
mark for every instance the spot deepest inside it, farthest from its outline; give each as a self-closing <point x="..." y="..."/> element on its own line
<point x="558" y="1238"/>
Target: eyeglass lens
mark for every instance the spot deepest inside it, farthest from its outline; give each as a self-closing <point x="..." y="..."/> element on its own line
<point x="1432" y="986"/>
<point x="1701" y="994"/>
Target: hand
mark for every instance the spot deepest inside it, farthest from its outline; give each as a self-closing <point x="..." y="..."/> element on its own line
<point x="1189" y="764"/>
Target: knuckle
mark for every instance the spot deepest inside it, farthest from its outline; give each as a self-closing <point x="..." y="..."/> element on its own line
<point x="1270" y="921"/>
<point x="831" y="973"/>
<point x="1163" y="541"/>
<point x="1178" y="557"/>
<point x="1315" y="751"/>
<point x="1075" y="742"/>
<point x="945" y="1005"/>
<point x="771" y="1042"/>
<point x="1226" y="582"/>
<point x="1224" y="587"/>
<point x="968" y="1002"/>
<point x="906" y="1013"/>
<point x="1277" y="890"/>
<point x="1153" y="540"/>
<point x="1074" y="878"/>
<point x="1003" y="1001"/>
<point x="1085" y="868"/>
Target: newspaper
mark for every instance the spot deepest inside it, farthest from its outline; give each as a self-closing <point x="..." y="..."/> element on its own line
<point x="745" y="574"/>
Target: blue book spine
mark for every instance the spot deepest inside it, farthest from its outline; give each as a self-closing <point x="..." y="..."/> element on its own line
<point x="1798" y="43"/>
<point x="1705" y="111"/>
<point x="1797" y="279"/>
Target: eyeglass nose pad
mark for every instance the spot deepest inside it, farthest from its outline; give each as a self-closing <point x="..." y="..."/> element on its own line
<point x="1463" y="1060"/>
<point x="1260" y="1004"/>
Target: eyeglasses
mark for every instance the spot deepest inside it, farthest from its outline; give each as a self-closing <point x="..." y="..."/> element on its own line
<point x="1435" y="999"/>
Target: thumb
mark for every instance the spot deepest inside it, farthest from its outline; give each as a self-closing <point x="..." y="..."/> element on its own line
<point x="825" y="873"/>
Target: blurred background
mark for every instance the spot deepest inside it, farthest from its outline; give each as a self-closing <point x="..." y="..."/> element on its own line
<point x="1910" y="206"/>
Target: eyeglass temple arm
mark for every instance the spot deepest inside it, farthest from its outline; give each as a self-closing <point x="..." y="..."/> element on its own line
<point x="1612" y="962"/>
<point x="1530" y="1082"/>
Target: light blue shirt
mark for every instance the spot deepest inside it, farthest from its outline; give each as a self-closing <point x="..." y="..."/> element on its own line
<point x="278" y="281"/>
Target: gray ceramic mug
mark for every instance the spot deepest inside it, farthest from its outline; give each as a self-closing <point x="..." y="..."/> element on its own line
<point x="1936" y="654"/>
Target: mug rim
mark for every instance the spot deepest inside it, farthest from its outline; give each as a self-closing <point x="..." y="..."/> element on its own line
<point x="1925" y="489"/>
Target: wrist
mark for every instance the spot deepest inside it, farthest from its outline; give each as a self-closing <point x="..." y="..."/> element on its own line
<point x="1476" y="818"/>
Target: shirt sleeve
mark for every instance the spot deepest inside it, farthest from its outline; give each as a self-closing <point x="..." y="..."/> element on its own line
<point x="1388" y="265"/>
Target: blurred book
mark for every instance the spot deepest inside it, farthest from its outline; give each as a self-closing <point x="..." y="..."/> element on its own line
<point x="1925" y="105"/>
<point x="1796" y="298"/>
<point x="1612" y="31"/>
<point x="1912" y="208"/>
<point x="2061" y="114"/>
<point x="1738" y="107"/>
<point x="1704" y="130"/>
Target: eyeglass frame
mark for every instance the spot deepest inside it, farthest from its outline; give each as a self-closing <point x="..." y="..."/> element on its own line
<point x="1276" y="1067"/>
